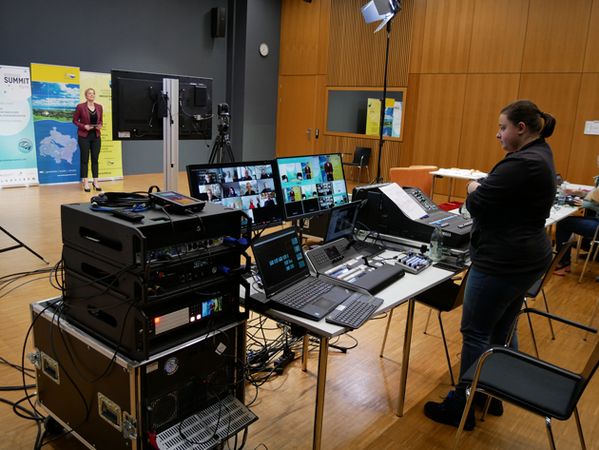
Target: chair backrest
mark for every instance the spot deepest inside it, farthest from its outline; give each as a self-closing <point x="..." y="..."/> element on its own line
<point x="413" y="176"/>
<point x="536" y="288"/>
<point x="362" y="156"/>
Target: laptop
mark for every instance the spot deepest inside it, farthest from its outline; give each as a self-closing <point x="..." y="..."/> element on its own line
<point x="286" y="279"/>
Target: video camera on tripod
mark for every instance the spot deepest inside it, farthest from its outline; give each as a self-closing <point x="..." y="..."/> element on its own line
<point x="224" y="117"/>
<point x="221" y="150"/>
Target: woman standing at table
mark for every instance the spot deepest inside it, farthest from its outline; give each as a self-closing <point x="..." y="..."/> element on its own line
<point x="88" y="119"/>
<point x="509" y="248"/>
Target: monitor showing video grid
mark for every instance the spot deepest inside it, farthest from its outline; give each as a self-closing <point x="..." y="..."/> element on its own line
<point x="311" y="183"/>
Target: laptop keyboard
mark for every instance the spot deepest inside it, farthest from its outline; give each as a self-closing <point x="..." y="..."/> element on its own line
<point x="304" y="293"/>
<point x="354" y="311"/>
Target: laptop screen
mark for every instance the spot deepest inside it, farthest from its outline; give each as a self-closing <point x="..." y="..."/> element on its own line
<point x="342" y="221"/>
<point x="280" y="260"/>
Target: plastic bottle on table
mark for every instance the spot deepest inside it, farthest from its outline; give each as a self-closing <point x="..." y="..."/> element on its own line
<point x="436" y="245"/>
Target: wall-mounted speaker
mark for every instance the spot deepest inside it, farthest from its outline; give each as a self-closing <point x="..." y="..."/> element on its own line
<point x="219" y="22"/>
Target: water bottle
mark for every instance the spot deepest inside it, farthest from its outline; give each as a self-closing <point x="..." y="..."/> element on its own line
<point x="436" y="246"/>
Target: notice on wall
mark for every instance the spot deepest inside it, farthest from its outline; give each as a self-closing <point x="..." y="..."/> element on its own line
<point x="591" y="127"/>
<point x="110" y="162"/>
<point x="55" y="95"/>
<point x="18" y="164"/>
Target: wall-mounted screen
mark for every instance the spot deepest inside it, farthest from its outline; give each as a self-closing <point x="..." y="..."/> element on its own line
<point x="250" y="186"/>
<point x="138" y="106"/>
<point x="311" y="183"/>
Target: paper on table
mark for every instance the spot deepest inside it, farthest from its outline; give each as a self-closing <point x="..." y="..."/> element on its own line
<point x="407" y="204"/>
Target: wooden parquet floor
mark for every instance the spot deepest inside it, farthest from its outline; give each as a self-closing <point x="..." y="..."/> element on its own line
<point x="362" y="388"/>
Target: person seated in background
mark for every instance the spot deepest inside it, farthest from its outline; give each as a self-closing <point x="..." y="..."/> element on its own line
<point x="584" y="226"/>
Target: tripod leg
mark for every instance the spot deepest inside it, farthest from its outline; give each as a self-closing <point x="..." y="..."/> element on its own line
<point x="21" y="244"/>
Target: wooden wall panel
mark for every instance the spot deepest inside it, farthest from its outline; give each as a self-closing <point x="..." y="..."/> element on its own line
<point x="498" y="36"/>
<point x="444" y="43"/>
<point x="556" y="35"/>
<point x="591" y="60"/>
<point x="542" y="89"/>
<point x="296" y="113"/>
<point x="300" y="42"/>
<point x="357" y="54"/>
<point x="437" y="104"/>
<point x="585" y="148"/>
<point x="485" y="96"/>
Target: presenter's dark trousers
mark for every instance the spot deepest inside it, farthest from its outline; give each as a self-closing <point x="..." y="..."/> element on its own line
<point x="89" y="146"/>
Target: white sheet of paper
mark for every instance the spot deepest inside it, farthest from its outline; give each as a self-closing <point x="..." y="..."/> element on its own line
<point x="407" y="204"/>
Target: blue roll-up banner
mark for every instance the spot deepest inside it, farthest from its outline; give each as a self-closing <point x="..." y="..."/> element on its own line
<point x="55" y="95"/>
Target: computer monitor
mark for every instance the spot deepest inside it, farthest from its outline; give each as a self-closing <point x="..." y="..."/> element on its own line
<point x="250" y="186"/>
<point x="138" y="106"/>
<point x="311" y="184"/>
<point x="342" y="221"/>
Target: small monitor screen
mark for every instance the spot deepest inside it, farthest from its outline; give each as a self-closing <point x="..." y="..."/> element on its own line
<point x="311" y="184"/>
<point x="249" y="186"/>
<point x="342" y="221"/>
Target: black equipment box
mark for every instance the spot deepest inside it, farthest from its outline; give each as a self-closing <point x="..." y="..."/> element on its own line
<point x="112" y="402"/>
<point x="382" y="215"/>
<point x="157" y="237"/>
<point x="139" y="332"/>
<point x="160" y="280"/>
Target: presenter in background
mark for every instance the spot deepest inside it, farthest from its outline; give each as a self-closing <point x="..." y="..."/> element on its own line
<point x="509" y="247"/>
<point x="88" y="119"/>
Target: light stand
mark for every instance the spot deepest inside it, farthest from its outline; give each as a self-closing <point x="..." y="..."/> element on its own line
<point x="378" y="178"/>
<point x="385" y="11"/>
<point x="19" y="245"/>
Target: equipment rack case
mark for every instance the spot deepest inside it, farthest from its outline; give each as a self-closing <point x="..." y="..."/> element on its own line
<point x="112" y="402"/>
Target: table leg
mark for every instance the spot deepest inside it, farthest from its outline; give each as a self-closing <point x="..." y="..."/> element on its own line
<point x="305" y="345"/>
<point x="406" y="357"/>
<point x="323" y="354"/>
<point x="433" y="188"/>
<point x="451" y="181"/>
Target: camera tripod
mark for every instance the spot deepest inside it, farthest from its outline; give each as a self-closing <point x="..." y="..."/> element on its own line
<point x="221" y="150"/>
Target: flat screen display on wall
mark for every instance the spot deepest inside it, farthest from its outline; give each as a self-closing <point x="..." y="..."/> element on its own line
<point x="139" y="106"/>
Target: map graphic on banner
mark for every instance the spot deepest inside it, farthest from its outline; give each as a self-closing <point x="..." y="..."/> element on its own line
<point x="55" y="94"/>
<point x="18" y="165"/>
<point x="110" y="161"/>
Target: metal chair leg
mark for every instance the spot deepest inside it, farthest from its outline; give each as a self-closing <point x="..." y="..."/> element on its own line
<point x="592" y="252"/>
<point x="446" y="350"/>
<point x="547" y="309"/>
<point x="549" y="433"/>
<point x="579" y="427"/>
<point x="386" y="332"/>
<point x="486" y="408"/>
<point x="532" y="333"/>
<point x="469" y="397"/>
<point x="428" y="319"/>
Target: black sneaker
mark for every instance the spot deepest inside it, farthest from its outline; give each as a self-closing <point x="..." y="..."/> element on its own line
<point x="450" y="411"/>
<point x="495" y="407"/>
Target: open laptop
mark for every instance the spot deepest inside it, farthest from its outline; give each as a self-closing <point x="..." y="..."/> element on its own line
<point x="286" y="279"/>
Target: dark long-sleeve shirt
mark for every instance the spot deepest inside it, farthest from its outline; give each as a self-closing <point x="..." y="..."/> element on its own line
<point x="509" y="209"/>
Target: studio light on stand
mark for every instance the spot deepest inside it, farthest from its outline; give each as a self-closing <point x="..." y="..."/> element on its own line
<point x="385" y="11"/>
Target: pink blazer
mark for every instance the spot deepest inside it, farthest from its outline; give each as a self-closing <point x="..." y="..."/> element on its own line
<point x="81" y="118"/>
